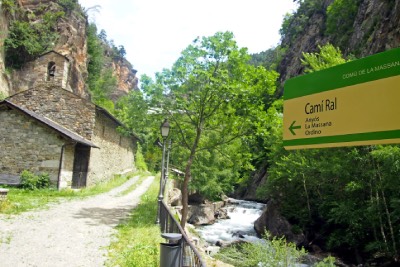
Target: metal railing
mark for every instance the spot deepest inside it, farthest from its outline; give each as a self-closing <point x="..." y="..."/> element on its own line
<point x="168" y="224"/>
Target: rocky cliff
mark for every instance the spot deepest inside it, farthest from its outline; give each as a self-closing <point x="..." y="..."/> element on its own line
<point x="71" y="42"/>
<point x="4" y="86"/>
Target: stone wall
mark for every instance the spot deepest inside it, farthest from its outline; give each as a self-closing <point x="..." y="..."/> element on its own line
<point x="116" y="152"/>
<point x="27" y="145"/>
<point x="36" y="72"/>
<point x="61" y="106"/>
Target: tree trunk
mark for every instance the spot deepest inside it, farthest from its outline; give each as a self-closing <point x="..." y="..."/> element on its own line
<point x="307" y="197"/>
<point x="185" y="187"/>
<point x="389" y="220"/>
<point x="380" y="220"/>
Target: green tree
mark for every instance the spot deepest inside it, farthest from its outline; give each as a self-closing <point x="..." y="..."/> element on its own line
<point x="103" y="36"/>
<point x="212" y="96"/>
<point x="139" y="159"/>
<point x="328" y="56"/>
<point x="134" y="111"/>
<point x="101" y="80"/>
<point x="96" y="55"/>
<point x="340" y="19"/>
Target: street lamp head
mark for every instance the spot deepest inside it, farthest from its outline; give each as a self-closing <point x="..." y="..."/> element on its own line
<point x="165" y="129"/>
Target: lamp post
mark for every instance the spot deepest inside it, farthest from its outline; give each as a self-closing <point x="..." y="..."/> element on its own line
<point x="164" y="129"/>
<point x="166" y="174"/>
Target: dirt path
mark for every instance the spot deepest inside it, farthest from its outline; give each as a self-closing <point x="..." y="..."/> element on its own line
<point x="72" y="233"/>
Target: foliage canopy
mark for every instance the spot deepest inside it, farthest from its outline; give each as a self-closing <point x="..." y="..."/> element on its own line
<point x="212" y="96"/>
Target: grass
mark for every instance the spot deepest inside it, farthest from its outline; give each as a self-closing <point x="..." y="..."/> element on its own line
<point x="21" y="200"/>
<point x="137" y="241"/>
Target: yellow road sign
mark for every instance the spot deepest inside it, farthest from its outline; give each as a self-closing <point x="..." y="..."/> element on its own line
<point x="357" y="103"/>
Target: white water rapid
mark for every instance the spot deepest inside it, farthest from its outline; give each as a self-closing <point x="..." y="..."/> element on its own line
<point x="240" y="226"/>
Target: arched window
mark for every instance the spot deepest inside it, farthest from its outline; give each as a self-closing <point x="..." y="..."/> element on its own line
<point x="51" y="70"/>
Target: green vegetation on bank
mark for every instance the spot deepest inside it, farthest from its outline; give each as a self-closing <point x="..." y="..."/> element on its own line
<point x="21" y="200"/>
<point x="270" y="252"/>
<point x="138" y="239"/>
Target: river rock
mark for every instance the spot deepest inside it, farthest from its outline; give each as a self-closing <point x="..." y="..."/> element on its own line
<point x="175" y="197"/>
<point x="201" y="215"/>
<point x="221" y="214"/>
<point x="196" y="199"/>
<point x="204" y="214"/>
<point x="239" y="234"/>
<point x="277" y="225"/>
<point x="225" y="244"/>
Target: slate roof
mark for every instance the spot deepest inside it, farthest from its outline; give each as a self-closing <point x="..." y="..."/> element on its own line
<point x="60" y="129"/>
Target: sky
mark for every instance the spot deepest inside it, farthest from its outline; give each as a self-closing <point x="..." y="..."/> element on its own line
<point x="155" y="32"/>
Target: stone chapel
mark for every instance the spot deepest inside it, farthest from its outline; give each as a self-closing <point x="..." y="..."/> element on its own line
<point x="46" y="128"/>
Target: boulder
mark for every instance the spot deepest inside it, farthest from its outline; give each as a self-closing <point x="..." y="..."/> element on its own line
<point x="175" y="197"/>
<point x="221" y="213"/>
<point x="277" y="225"/>
<point x="196" y="199"/>
<point x="225" y="244"/>
<point x="201" y="214"/>
<point x="204" y="214"/>
<point x="239" y="234"/>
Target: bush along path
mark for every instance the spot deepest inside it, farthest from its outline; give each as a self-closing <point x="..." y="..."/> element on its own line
<point x="70" y="233"/>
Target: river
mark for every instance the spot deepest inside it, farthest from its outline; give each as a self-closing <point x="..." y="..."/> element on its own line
<point x="240" y="225"/>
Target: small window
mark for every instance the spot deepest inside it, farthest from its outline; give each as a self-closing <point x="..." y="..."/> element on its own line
<point x="51" y="70"/>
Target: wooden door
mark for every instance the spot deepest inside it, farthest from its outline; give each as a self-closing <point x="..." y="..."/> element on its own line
<point x="81" y="166"/>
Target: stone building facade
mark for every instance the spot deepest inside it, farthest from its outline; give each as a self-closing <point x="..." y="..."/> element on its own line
<point x="49" y="129"/>
<point x="26" y="144"/>
<point x="61" y="106"/>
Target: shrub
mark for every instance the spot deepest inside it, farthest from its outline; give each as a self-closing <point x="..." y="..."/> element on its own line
<point x="140" y="163"/>
<point x="31" y="181"/>
<point x="272" y="252"/>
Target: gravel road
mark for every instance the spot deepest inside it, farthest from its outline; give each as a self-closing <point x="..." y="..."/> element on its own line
<point x="71" y="233"/>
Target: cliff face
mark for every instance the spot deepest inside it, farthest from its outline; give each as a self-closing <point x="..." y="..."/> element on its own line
<point x="376" y="28"/>
<point x="122" y="70"/>
<point x="71" y="43"/>
<point x="4" y="86"/>
<point x="126" y="78"/>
